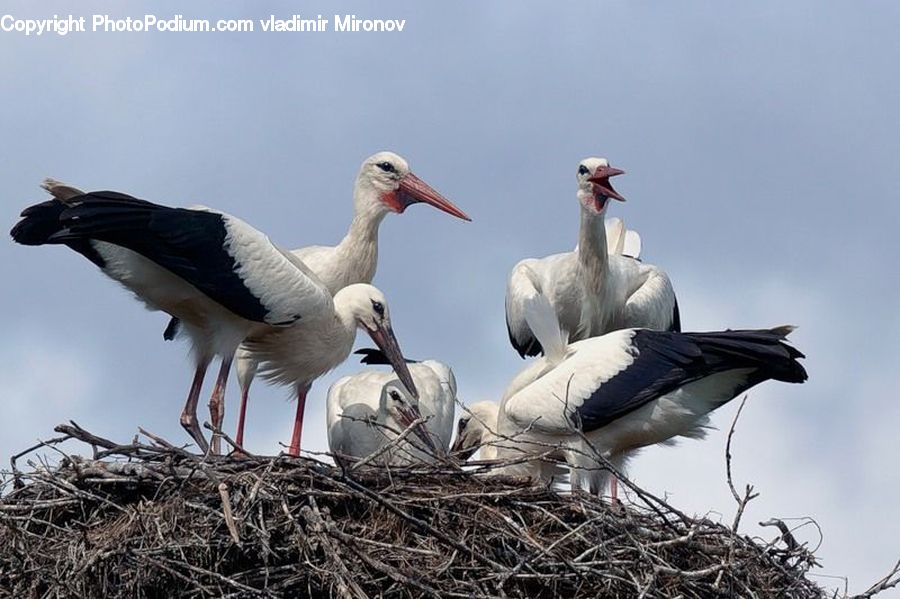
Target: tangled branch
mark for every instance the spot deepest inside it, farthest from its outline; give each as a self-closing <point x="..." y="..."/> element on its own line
<point x="137" y="518"/>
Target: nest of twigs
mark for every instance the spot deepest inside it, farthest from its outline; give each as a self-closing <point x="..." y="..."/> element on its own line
<point x="151" y="520"/>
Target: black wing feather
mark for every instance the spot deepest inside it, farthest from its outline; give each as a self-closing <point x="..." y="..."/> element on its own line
<point x="188" y="243"/>
<point x="172" y="329"/>
<point x="375" y="357"/>
<point x="676" y="318"/>
<point x="665" y="361"/>
<point x="532" y="347"/>
<point x="41" y="221"/>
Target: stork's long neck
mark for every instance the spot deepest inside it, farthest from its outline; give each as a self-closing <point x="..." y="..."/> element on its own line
<point x="358" y="250"/>
<point x="593" y="257"/>
<point x="344" y="324"/>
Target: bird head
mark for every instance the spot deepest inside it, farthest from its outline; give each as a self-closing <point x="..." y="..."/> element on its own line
<point x="368" y="307"/>
<point x="594" y="188"/>
<point x="399" y="405"/>
<point x="385" y="184"/>
<point x="474" y="428"/>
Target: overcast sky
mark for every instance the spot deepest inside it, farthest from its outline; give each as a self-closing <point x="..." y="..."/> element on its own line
<point x="759" y="142"/>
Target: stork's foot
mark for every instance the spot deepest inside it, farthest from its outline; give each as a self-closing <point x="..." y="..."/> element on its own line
<point x="238" y="453"/>
<point x="190" y="424"/>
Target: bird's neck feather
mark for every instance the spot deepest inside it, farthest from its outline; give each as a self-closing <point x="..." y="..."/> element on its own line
<point x="593" y="257"/>
<point x="360" y="245"/>
<point x="344" y="318"/>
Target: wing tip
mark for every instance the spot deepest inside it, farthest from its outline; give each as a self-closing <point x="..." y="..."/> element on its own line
<point x="532" y="347"/>
<point x="172" y="329"/>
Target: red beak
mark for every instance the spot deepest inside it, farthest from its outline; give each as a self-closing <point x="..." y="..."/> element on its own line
<point x="412" y="190"/>
<point x="602" y="186"/>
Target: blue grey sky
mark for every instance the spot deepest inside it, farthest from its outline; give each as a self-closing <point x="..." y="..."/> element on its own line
<point x="759" y="142"/>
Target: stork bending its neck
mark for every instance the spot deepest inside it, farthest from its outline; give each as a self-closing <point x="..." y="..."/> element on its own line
<point x="384" y="184"/>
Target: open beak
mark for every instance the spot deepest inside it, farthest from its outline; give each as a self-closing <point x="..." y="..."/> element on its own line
<point x="603" y="189"/>
<point x="412" y="190"/>
<point x="409" y="414"/>
<point x="386" y="341"/>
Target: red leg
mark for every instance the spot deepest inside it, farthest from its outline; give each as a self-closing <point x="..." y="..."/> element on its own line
<point x="245" y="394"/>
<point x="294" y="449"/>
<point x="217" y="404"/>
<point x="189" y="414"/>
<point x="614" y="488"/>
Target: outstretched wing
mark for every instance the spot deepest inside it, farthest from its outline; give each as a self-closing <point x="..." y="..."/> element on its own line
<point x="611" y="376"/>
<point x="229" y="261"/>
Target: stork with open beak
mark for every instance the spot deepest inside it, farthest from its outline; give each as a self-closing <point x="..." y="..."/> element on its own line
<point x="599" y="287"/>
<point x="221" y="277"/>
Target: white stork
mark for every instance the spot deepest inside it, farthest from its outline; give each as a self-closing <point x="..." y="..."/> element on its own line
<point x="221" y="277"/>
<point x="384" y="185"/>
<point x="365" y="410"/>
<point x="613" y="394"/>
<point x="600" y="286"/>
<point x="476" y="431"/>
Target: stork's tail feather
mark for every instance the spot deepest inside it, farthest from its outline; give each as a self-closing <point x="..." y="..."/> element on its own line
<point x="60" y="190"/>
<point x="615" y="235"/>
<point x="621" y="241"/>
<point x="784" y="330"/>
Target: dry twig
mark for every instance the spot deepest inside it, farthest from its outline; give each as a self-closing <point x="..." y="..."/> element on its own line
<point x="151" y="518"/>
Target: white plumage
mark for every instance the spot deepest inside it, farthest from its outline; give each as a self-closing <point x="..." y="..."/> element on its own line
<point x="224" y="279"/>
<point x="613" y="394"/>
<point x="476" y="432"/>
<point x="355" y="399"/>
<point x="300" y="354"/>
<point x="599" y="287"/>
<point x="384" y="185"/>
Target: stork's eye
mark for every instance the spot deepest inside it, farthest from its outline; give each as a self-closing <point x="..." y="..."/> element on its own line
<point x="396" y="396"/>
<point x="583" y="170"/>
<point x="386" y="167"/>
<point x="378" y="307"/>
<point x="462" y="425"/>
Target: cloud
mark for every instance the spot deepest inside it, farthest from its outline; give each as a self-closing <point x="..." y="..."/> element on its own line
<point x="759" y="144"/>
<point x="45" y="381"/>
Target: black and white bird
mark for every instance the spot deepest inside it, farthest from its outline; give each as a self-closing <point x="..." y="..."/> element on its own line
<point x="222" y="278"/>
<point x="366" y="410"/>
<point x="476" y="431"/>
<point x="613" y="394"/>
<point x="599" y="287"/>
<point x="384" y="185"/>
